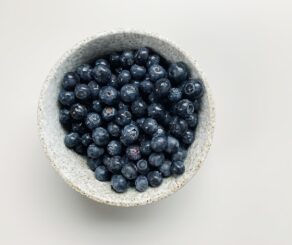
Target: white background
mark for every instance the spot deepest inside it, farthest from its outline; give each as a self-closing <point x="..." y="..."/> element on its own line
<point x="241" y="195"/>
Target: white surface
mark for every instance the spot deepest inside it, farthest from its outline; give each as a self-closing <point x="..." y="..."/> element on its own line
<point x="242" y="194"/>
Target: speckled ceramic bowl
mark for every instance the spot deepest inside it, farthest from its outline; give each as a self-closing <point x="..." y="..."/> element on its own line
<point x="71" y="166"/>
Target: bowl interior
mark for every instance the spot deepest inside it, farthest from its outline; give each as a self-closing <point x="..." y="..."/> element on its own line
<point x="71" y="166"/>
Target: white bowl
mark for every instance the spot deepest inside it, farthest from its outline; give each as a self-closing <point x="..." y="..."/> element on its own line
<point x="71" y="166"/>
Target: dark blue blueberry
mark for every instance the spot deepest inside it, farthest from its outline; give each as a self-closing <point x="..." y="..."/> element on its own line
<point x="197" y="104"/>
<point x="96" y="106"/>
<point x="113" y="129"/>
<point x="140" y="122"/>
<point x="145" y="147"/>
<point x="129" y="93"/>
<point x="102" y="62"/>
<point x="154" y="178"/>
<point x="129" y="134"/>
<point x="66" y="98"/>
<point x="149" y="126"/>
<point x="70" y="80"/>
<point x="78" y="112"/>
<point x="184" y="108"/>
<point x="141" y="183"/>
<point x="139" y="108"/>
<point x="79" y="127"/>
<point x="94" y="89"/>
<point x="193" y="89"/>
<point x="93" y="151"/>
<point x="165" y="168"/>
<point x="86" y="139"/>
<point x="156" y="72"/>
<point x="100" y="136"/>
<point x="92" y="120"/>
<point x="114" y="148"/>
<point x="114" y="59"/>
<point x="124" y="77"/>
<point x="102" y="74"/>
<point x="127" y="59"/>
<point x="102" y="174"/>
<point x="64" y="117"/>
<point x="133" y="152"/>
<point x="180" y="155"/>
<point x="138" y="72"/>
<point x="123" y="117"/>
<point x="114" y="82"/>
<point x="82" y="91"/>
<point x="129" y="171"/>
<point x="146" y="87"/>
<point x="80" y="149"/>
<point x="178" y="72"/>
<point x="156" y="159"/>
<point x="123" y="106"/>
<point x="192" y="120"/>
<point x="119" y="183"/>
<point x="72" y="139"/>
<point x="188" y="137"/>
<point x="162" y="87"/>
<point x="108" y="95"/>
<point x="142" y="166"/>
<point x="177" y="168"/>
<point x="141" y="56"/>
<point x="160" y="132"/>
<point x="159" y="143"/>
<point x="92" y="163"/>
<point x="175" y="94"/>
<point x="108" y="113"/>
<point x="172" y="145"/>
<point x="156" y="111"/>
<point x="153" y="60"/>
<point x="115" y="164"/>
<point x="177" y="126"/>
<point x="84" y="72"/>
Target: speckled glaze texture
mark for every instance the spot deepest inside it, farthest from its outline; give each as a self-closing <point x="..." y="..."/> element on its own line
<point x="71" y="166"/>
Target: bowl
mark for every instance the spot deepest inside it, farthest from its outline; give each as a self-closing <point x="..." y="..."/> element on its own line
<point x="72" y="167"/>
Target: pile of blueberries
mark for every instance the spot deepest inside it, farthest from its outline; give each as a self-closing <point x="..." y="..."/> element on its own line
<point x="133" y="115"/>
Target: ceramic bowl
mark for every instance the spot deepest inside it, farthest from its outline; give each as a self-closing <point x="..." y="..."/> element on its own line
<point x="72" y="167"/>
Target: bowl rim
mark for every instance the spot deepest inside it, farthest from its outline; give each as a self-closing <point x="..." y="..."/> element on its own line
<point x="211" y="124"/>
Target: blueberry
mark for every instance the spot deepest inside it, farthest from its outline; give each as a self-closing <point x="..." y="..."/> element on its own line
<point x="114" y="148"/>
<point x="108" y="95"/>
<point x="153" y="60"/>
<point x="92" y="163"/>
<point x="123" y="78"/>
<point x="113" y="129"/>
<point x="92" y="120"/>
<point x="82" y="91"/>
<point x="145" y="147"/>
<point x="178" y="72"/>
<point x="123" y="106"/>
<point x="129" y="171"/>
<point x="156" y="72"/>
<point x="184" y="108"/>
<point x="154" y="178"/>
<point x="165" y="168"/>
<point x="180" y="155"/>
<point x="177" y="168"/>
<point x="115" y="164"/>
<point x="162" y="87"/>
<point x="156" y="159"/>
<point x="102" y="174"/>
<point x="188" y="137"/>
<point x="108" y="113"/>
<point x="175" y="94"/>
<point x="114" y="59"/>
<point x="102" y="62"/>
<point x="133" y="152"/>
<point x="79" y="127"/>
<point x="123" y="117"/>
<point x="141" y="56"/>
<point x="140" y="122"/>
<point x="139" y="108"/>
<point x="96" y="106"/>
<point x="94" y="89"/>
<point x="177" y="126"/>
<point x="156" y="111"/>
<point x="142" y="166"/>
<point x="102" y="74"/>
<point x="86" y="139"/>
<point x="78" y="112"/>
<point x="159" y="143"/>
<point x="192" y="120"/>
<point x="172" y="145"/>
<point x="160" y="132"/>
<point x="149" y="126"/>
<point x="70" y="80"/>
<point x="141" y="183"/>
<point x="127" y="59"/>
<point x="64" y="117"/>
<point x="84" y="72"/>
<point x="129" y="134"/>
<point x="100" y="136"/>
<point x="137" y="72"/>
<point x="197" y="104"/>
<point x="80" y="149"/>
<point x="114" y="82"/>
<point x="119" y="183"/>
<point x="93" y="151"/>
<point x="129" y="93"/>
<point x="146" y="87"/>
<point x="66" y="98"/>
<point x="72" y="139"/>
<point x="193" y="89"/>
